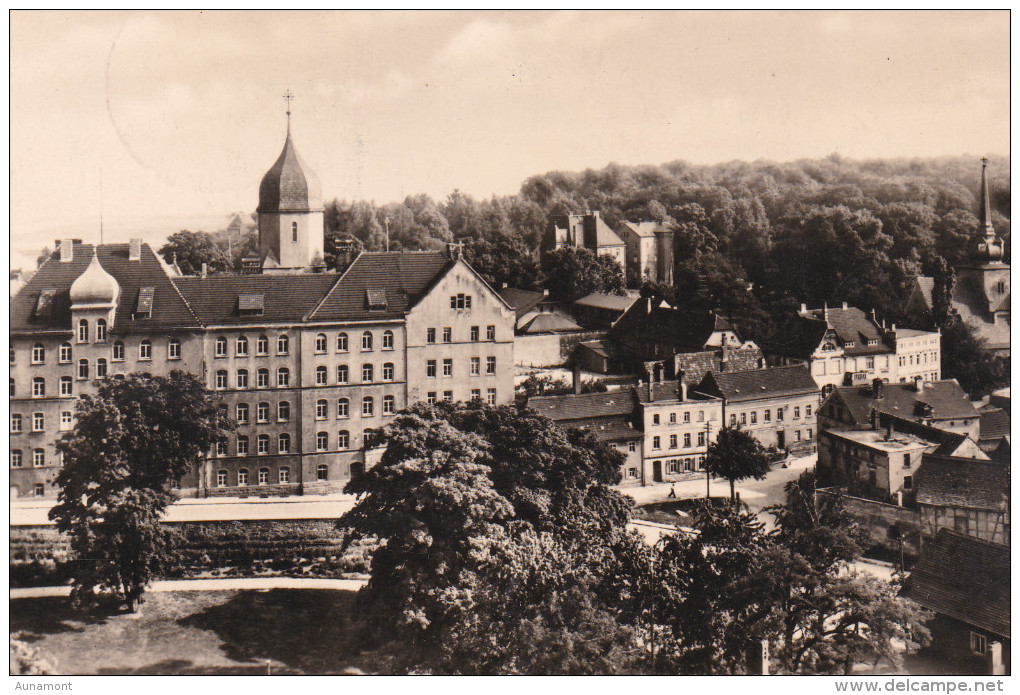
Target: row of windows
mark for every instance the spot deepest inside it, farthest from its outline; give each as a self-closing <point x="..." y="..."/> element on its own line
<point x="474" y="335"/>
<point x="283" y="475"/>
<point x="283" y="443"/>
<point x="674" y="441"/>
<point x="686" y="417"/>
<point x="921" y="358"/>
<point x="65" y="352"/>
<point x="767" y="415"/>
<point x="262" y="381"/>
<point x="476" y="395"/>
<point x="83" y="331"/>
<point x="474" y="367"/>
<point x="342" y="343"/>
<point x="39" y="422"/>
<point x="38" y="458"/>
<point x="263" y="409"/>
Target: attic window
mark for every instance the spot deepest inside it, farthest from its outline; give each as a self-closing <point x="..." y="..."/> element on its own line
<point x="376" y="299"/>
<point x="872" y="341"/>
<point x="44" y="305"/>
<point x="251" y="304"/>
<point x="849" y="343"/>
<point x="145" y="296"/>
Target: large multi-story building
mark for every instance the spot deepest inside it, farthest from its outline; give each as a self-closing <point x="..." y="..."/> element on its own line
<point x="308" y="363"/>
<point x="649" y="252"/>
<point x="587" y="231"/>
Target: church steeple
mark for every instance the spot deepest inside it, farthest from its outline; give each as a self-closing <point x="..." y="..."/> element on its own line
<point x="987" y="246"/>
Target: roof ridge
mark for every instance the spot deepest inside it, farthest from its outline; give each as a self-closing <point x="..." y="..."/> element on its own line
<point x="325" y="295"/>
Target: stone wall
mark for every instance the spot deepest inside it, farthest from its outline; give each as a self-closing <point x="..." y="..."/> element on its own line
<point x="884" y="521"/>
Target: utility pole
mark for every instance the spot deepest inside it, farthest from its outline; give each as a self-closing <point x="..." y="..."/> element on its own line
<point x="708" y="476"/>
<point x="387" y="221"/>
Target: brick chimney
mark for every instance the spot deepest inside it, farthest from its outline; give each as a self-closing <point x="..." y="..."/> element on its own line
<point x="919" y="384"/>
<point x="577" y="380"/>
<point x="681" y="387"/>
<point x="876" y="389"/>
<point x="135" y="250"/>
<point x="66" y="250"/>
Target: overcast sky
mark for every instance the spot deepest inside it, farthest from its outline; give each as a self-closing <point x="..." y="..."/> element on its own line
<point x="182" y="112"/>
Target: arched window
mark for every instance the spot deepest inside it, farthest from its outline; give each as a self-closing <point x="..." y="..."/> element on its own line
<point x="13" y="388"/>
<point x="322" y="472"/>
<point x="262" y="412"/>
<point x="221" y="347"/>
<point x="367" y="406"/>
<point x="366" y="340"/>
<point x="321" y="441"/>
<point x="283" y="377"/>
<point x="283" y="345"/>
<point x="342" y="375"/>
<point x="320" y="343"/>
<point x="221" y="447"/>
<point x="221" y="478"/>
<point x="100" y="368"/>
<point x="263" y="476"/>
<point x="145" y="350"/>
<point x="387" y="340"/>
<point x="242" y="445"/>
<point x="83" y="369"/>
<point x="262" y="378"/>
<point x="283" y="443"/>
<point x="242" y="378"/>
<point x="283" y="411"/>
<point x="241" y="413"/>
<point x="388" y="405"/>
<point x="321" y="376"/>
<point x="342" y="408"/>
<point x="343" y="439"/>
<point x="293" y="231"/>
<point x="341" y="342"/>
<point x="173" y="349"/>
<point x="387" y="371"/>
<point x="118" y="351"/>
<point x="221" y="379"/>
<point x="16" y="459"/>
<point x="284" y="475"/>
<point x="38" y="387"/>
<point x="368" y="438"/>
<point x="242" y="477"/>
<point x="83" y="331"/>
<point x="367" y="373"/>
<point x="15" y="423"/>
<point x="241" y="346"/>
<point x="38" y="458"/>
<point x="38" y="353"/>
<point x="66" y="386"/>
<point x="262" y="345"/>
<point x="262" y="443"/>
<point x="101" y="330"/>
<point x="321" y="409"/>
<point x="65" y="353"/>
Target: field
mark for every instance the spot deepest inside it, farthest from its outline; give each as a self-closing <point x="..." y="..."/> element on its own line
<point x="282" y="631"/>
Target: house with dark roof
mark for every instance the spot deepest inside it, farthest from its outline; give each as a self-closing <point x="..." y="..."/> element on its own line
<point x="684" y="341"/>
<point x="649" y="252"/>
<point x="843" y="346"/>
<point x="587" y="231"/>
<point x="965" y="495"/>
<point x="942" y="404"/>
<point x="980" y="293"/>
<point x="600" y="310"/>
<point x="777" y="406"/>
<point x="308" y="363"/>
<point x="994" y="434"/>
<point x="965" y="581"/>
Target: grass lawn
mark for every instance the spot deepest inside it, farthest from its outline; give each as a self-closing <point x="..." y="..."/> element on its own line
<point x="300" y="631"/>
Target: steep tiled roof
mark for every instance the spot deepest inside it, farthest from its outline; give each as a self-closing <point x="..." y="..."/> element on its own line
<point x="669" y="390"/>
<point x="522" y="301"/>
<point x="853" y="325"/>
<point x="612" y="302"/>
<point x="994" y="423"/>
<point x="169" y="308"/>
<point x="610" y="429"/>
<point x="800" y="337"/>
<point x="405" y="277"/>
<point x="946" y="398"/>
<point x="926" y="285"/>
<point x="643" y="229"/>
<point x="289" y="184"/>
<point x="760" y="383"/>
<point x="964" y="578"/>
<point x="549" y="322"/>
<point x="685" y="331"/>
<point x="950" y="481"/>
<point x="220" y="299"/>
<point x="584" y="406"/>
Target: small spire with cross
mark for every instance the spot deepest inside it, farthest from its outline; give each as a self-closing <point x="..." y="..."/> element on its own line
<point x="288" y="97"/>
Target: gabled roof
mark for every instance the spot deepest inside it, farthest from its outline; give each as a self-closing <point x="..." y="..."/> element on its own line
<point x="926" y="285"/>
<point x="169" y="308"/>
<point x="852" y="325"/>
<point x="946" y="442"/>
<point x="947" y="400"/>
<point x="644" y="229"/>
<point x="404" y="277"/>
<point x="549" y="322"/>
<point x="994" y="423"/>
<point x="612" y="302"/>
<point x="800" y="337"/>
<point x="685" y="331"/>
<point x="584" y="406"/>
<point x="964" y="578"/>
<point x="613" y="429"/>
<point x="759" y="383"/>
<point x="233" y="299"/>
<point x="950" y="481"/>
<point x="522" y="301"/>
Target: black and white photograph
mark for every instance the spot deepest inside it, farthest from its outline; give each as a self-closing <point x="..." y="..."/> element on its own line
<point x="510" y="342"/>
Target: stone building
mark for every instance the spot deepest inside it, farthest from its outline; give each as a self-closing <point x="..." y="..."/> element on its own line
<point x="980" y="293"/>
<point x="965" y="495"/>
<point x="308" y="363"/>
<point x="843" y="346"/>
<point x="587" y="231"/>
<point x="649" y="252"/>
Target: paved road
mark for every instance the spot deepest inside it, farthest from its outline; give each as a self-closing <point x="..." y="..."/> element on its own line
<point x="226" y="584"/>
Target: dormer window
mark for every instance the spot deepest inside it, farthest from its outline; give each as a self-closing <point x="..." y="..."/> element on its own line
<point x="44" y="305"/>
<point x="375" y="300"/>
<point x="145" y="300"/>
<point x="872" y="341"/>
<point x="849" y="344"/>
<point x="251" y="304"/>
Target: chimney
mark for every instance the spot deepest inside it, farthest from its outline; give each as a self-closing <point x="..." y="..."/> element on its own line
<point x="648" y="305"/>
<point x="504" y="285"/>
<point x="919" y="384"/>
<point x="205" y="269"/>
<point x="889" y="430"/>
<point x="545" y="293"/>
<point x="66" y="250"/>
<point x="844" y="306"/>
<point x="135" y="250"/>
<point x="681" y="387"/>
<point x="873" y="416"/>
<point x="577" y="380"/>
<point x="803" y="308"/>
<point x="876" y="389"/>
<point x="664" y="255"/>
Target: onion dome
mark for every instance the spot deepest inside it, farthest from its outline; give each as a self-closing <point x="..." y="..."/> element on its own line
<point x="94" y="287"/>
<point x="289" y="186"/>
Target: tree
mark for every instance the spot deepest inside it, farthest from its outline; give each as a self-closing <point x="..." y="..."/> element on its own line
<point x="576" y="272"/>
<point x="192" y="249"/>
<point x="736" y="455"/>
<point x="503" y="259"/>
<point x="943" y="279"/>
<point x="965" y="358"/>
<point x="132" y="438"/>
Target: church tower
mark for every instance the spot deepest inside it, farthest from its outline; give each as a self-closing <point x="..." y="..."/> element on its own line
<point x="986" y="246"/>
<point x="290" y="213"/>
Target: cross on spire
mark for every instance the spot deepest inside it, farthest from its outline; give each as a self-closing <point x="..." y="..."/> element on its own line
<point x="288" y="97"/>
